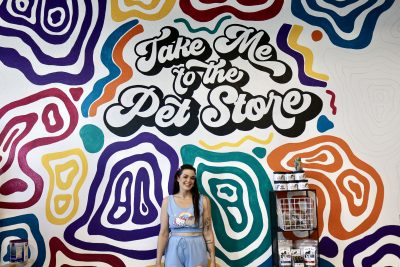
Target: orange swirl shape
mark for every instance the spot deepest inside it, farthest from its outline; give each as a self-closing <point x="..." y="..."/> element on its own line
<point x="349" y="182"/>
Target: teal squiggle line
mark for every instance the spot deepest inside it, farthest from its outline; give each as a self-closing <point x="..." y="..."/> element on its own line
<point x="192" y="30"/>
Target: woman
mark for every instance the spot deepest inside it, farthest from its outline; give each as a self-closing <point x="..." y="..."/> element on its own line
<point x="186" y="228"/>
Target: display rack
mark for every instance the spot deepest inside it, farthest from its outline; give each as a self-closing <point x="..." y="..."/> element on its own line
<point x="19" y="264"/>
<point x="293" y="216"/>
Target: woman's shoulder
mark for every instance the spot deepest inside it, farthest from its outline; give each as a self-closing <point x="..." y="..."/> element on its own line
<point x="202" y="196"/>
<point x="204" y="199"/>
<point x="165" y="199"/>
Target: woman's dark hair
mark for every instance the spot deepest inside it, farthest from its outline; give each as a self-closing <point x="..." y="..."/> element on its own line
<point x="194" y="190"/>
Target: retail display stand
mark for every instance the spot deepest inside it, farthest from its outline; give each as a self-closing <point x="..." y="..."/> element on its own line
<point x="294" y="228"/>
<point x="28" y="263"/>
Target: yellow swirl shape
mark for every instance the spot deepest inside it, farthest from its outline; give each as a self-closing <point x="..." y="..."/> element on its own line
<point x="237" y="144"/>
<point x="67" y="171"/>
<point x="306" y="52"/>
<point x="137" y="9"/>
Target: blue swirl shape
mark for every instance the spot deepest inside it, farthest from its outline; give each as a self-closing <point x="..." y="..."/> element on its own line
<point x="345" y="23"/>
<point x="18" y="232"/>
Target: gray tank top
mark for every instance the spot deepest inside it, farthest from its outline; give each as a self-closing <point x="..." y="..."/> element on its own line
<point x="182" y="219"/>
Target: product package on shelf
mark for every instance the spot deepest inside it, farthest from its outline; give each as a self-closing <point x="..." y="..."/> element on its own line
<point x="297" y="258"/>
<point x="285" y="252"/>
<point x="301" y="253"/>
<point x="18" y="250"/>
<point x="295" y="180"/>
<point x="309" y="251"/>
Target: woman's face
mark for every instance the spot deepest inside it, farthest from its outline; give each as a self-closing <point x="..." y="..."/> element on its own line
<point x="186" y="180"/>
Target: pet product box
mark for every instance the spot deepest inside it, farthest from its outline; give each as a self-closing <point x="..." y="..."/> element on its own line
<point x="18" y="250"/>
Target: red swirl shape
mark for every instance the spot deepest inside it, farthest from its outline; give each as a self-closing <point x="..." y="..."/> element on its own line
<point x="55" y="119"/>
<point x="83" y="259"/>
<point x="349" y="189"/>
<point x="261" y="9"/>
<point x="332" y="102"/>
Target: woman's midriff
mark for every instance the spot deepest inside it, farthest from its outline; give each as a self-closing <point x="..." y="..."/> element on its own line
<point x="186" y="234"/>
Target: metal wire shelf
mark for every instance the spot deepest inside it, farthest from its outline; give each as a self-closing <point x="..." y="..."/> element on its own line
<point x="296" y="213"/>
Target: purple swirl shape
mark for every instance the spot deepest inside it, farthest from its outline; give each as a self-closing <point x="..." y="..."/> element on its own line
<point x="12" y="58"/>
<point x="281" y="41"/>
<point x="368" y="241"/>
<point x="37" y="27"/>
<point x="142" y="178"/>
<point x="119" y="171"/>
<point x="328" y="247"/>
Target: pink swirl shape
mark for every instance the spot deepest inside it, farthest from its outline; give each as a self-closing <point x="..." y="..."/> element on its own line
<point x="20" y="118"/>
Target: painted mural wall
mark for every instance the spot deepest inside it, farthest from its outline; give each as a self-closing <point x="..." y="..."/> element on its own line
<point x="101" y="101"/>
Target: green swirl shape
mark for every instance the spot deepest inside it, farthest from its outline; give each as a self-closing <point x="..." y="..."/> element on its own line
<point x="238" y="187"/>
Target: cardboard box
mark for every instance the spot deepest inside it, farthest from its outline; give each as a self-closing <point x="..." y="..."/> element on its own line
<point x="18" y="250"/>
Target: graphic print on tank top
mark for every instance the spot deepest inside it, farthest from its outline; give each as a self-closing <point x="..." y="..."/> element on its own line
<point x="184" y="219"/>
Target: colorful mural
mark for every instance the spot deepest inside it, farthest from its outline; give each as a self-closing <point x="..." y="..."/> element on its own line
<point x="101" y="101"/>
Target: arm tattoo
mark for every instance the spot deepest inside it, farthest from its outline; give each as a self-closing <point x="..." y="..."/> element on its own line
<point x="207" y="223"/>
